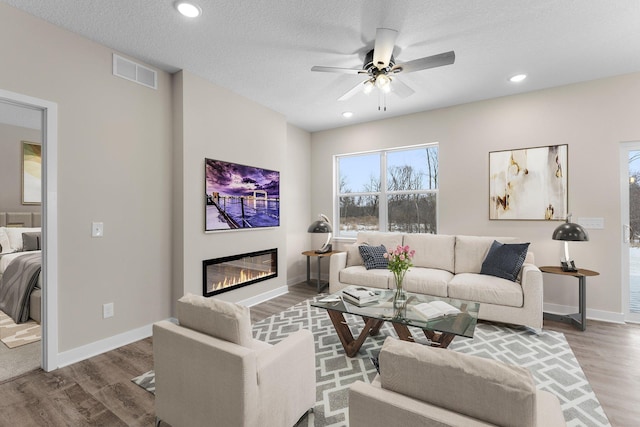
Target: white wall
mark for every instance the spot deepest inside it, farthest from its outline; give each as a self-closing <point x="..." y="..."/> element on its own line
<point x="592" y="118"/>
<point x="114" y="152"/>
<point x="218" y="124"/>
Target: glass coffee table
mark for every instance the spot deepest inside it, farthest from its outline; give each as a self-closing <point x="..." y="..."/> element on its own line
<point x="440" y="331"/>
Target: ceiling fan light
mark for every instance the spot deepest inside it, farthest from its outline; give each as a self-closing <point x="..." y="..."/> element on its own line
<point x="189" y="10"/>
<point x="517" y="78"/>
<point x="347" y="114"/>
<point x="382" y="81"/>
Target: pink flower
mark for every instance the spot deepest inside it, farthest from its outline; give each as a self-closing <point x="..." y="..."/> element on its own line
<point x="385" y="255"/>
<point x="406" y="249"/>
<point x="401" y="257"/>
<point x="412" y="253"/>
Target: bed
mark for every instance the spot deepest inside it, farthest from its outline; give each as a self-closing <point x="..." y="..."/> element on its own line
<point x="21" y="259"/>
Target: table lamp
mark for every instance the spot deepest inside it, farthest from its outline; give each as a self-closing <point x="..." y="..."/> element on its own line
<point x="322" y="226"/>
<point x="569" y="232"/>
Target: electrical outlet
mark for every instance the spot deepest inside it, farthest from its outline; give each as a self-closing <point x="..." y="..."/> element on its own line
<point x="97" y="229"/>
<point x="107" y="310"/>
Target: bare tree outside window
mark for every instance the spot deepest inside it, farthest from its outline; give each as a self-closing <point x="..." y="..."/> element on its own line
<point x="408" y="192"/>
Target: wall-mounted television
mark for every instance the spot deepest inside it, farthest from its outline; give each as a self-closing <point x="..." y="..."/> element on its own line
<point x="240" y="196"/>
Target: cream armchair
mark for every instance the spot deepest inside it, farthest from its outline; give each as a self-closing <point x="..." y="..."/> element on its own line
<point x="424" y="386"/>
<point x="210" y="370"/>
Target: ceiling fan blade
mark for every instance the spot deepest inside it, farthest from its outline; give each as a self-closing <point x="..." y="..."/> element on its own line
<point x="357" y="88"/>
<point x="337" y="70"/>
<point x="383" y="49"/>
<point x="446" y="58"/>
<point x="400" y="88"/>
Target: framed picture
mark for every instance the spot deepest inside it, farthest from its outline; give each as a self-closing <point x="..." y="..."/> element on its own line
<point x="31" y="173"/>
<point x="240" y="196"/>
<point x="529" y="184"/>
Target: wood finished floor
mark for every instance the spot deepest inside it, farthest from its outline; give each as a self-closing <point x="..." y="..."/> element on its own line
<point x="99" y="391"/>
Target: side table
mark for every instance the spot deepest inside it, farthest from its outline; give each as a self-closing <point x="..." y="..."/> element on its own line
<point x="579" y="320"/>
<point x="309" y="254"/>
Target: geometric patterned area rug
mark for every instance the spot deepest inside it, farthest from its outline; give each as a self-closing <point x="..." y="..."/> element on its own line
<point x="548" y="357"/>
<point x="14" y="335"/>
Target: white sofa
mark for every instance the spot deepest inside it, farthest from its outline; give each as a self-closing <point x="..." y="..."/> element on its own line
<point x="448" y="266"/>
<point x="423" y="386"/>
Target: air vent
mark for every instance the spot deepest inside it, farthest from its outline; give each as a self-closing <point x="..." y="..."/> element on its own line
<point x="135" y="72"/>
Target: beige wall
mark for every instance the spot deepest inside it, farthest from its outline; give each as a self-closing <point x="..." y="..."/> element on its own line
<point x="11" y="138"/>
<point x="219" y="124"/>
<point x="592" y="118"/>
<point x="298" y="185"/>
<point x="114" y="153"/>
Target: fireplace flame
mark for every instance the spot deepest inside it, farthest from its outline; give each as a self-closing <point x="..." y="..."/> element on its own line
<point x="244" y="276"/>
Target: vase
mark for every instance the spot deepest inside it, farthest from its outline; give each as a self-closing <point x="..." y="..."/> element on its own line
<point x="400" y="297"/>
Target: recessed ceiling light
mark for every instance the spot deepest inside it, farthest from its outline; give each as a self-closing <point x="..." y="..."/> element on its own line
<point x="347" y="114"/>
<point x="517" y="78"/>
<point x="189" y="10"/>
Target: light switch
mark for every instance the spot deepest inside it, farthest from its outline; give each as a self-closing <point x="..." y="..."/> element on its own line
<point x="97" y="229"/>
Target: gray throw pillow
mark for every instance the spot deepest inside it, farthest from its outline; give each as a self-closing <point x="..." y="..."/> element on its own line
<point x="31" y="241"/>
<point x="373" y="256"/>
<point x="505" y="260"/>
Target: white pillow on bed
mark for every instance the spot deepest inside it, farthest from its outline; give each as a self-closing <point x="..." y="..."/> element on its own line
<point x="15" y="236"/>
<point x="5" y="245"/>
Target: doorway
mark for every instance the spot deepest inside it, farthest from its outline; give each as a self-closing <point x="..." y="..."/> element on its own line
<point x="49" y="209"/>
<point x="630" y="210"/>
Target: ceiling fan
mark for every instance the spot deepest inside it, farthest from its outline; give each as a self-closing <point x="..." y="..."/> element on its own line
<point x="380" y="67"/>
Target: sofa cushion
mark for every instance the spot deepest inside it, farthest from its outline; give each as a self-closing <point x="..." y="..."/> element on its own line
<point x="505" y="260"/>
<point x="359" y="275"/>
<point x="374" y="256"/>
<point x="432" y="250"/>
<point x="486" y="289"/>
<point x="427" y="281"/>
<point x="484" y="389"/>
<point x="353" y="255"/>
<point x="221" y="319"/>
<point x="471" y="251"/>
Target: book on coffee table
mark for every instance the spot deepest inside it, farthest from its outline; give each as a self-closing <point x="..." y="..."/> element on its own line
<point x="359" y="295"/>
<point x="435" y="309"/>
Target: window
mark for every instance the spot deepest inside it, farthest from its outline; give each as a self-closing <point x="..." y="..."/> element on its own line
<point x="389" y="190"/>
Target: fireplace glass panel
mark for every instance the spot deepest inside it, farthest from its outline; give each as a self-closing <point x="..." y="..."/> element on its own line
<point x="232" y="272"/>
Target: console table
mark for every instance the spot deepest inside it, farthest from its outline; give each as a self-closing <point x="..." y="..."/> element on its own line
<point x="309" y="254"/>
<point x="579" y="320"/>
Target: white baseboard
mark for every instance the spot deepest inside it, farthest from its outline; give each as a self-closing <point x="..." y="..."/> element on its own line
<point x="90" y="350"/>
<point x="264" y="296"/>
<point x="604" y="316"/>
<point x="295" y="280"/>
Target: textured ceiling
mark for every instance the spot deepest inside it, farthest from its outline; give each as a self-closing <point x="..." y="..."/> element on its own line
<point x="264" y="50"/>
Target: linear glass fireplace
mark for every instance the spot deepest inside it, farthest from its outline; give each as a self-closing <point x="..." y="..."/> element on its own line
<point x="232" y="272"/>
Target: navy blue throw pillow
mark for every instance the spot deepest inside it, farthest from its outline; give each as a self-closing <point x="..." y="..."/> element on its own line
<point x="373" y="256"/>
<point x="505" y="260"/>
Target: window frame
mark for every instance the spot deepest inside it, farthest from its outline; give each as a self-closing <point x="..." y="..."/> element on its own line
<point x="384" y="193"/>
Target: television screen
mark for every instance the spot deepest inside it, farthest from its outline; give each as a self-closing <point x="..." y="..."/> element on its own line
<point x="240" y="196"/>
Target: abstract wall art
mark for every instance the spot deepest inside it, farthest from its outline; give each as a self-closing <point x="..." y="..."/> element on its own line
<point x="529" y="183"/>
<point x="31" y="173"/>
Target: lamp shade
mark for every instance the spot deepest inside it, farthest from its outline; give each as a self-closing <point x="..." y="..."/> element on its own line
<point x="320" y="226"/>
<point x="570" y="232"/>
